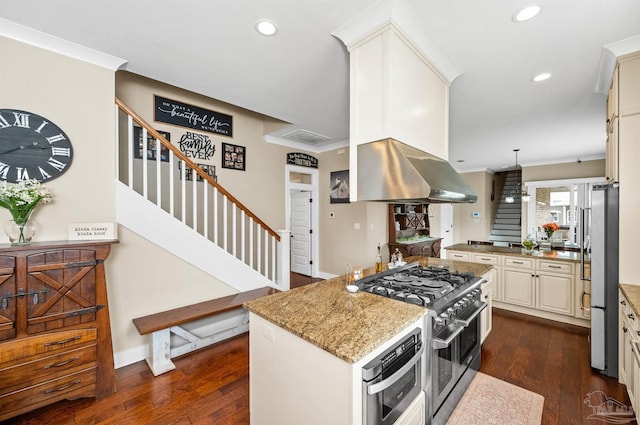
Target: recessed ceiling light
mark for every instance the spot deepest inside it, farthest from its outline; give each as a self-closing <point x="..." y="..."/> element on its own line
<point x="526" y="12"/>
<point x="266" y="27"/>
<point x="541" y="77"/>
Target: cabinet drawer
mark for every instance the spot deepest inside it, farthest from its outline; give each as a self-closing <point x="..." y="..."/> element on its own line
<point x="46" y="368"/>
<point x="486" y="259"/>
<point x="519" y="262"/>
<point x="555" y="266"/>
<point x="31" y="348"/>
<point x="75" y="385"/>
<point x="459" y="256"/>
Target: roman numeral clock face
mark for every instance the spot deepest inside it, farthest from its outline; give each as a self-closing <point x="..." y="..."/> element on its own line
<point x="32" y="147"/>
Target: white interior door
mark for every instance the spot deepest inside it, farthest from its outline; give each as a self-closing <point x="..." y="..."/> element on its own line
<point x="301" y="232"/>
<point x="446" y="224"/>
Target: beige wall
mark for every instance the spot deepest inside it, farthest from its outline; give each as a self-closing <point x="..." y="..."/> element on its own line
<point x="78" y="97"/>
<point x="466" y="227"/>
<point x="569" y="170"/>
<point x="340" y="242"/>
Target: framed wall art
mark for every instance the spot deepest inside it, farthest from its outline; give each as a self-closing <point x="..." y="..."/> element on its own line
<point x="339" y="187"/>
<point x="233" y="157"/>
<point x="138" y="145"/>
<point x="188" y="173"/>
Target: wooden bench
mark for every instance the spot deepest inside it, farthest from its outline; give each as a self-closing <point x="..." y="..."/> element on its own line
<point x="160" y="326"/>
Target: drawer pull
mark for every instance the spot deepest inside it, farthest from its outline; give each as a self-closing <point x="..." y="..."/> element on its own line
<point x="554" y="267"/>
<point x="83" y="263"/>
<point x="71" y="360"/>
<point x="631" y="316"/>
<point x="64" y="341"/>
<point x="623" y="302"/>
<point x="64" y="387"/>
<point x="518" y="262"/>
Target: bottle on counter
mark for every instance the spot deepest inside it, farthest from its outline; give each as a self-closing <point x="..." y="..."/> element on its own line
<point x="378" y="261"/>
<point x="396" y="258"/>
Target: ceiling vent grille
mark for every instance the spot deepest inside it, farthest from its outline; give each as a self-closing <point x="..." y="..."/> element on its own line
<point x="304" y="136"/>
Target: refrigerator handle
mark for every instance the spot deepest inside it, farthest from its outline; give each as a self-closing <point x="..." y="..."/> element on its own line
<point x="583" y="249"/>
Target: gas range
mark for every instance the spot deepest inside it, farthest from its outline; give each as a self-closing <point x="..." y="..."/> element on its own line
<point x="434" y="287"/>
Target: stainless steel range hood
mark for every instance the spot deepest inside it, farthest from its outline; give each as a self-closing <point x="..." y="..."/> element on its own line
<point x="391" y="171"/>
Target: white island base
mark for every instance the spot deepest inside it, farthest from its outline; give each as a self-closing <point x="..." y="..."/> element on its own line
<point x="294" y="382"/>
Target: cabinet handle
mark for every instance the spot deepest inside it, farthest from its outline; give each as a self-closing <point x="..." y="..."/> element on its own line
<point x="64" y="341"/>
<point x="554" y="267"/>
<point x="623" y="302"/>
<point x="62" y="363"/>
<point x="624" y="329"/>
<point x="518" y="262"/>
<point x="631" y="316"/>
<point x="64" y="387"/>
<point x="486" y="259"/>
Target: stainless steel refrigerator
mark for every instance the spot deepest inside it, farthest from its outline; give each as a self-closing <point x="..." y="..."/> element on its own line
<point x="603" y="243"/>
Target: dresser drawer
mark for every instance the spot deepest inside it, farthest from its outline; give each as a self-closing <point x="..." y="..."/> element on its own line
<point x="32" y="348"/>
<point x="519" y="262"/>
<point x="459" y="256"/>
<point x="46" y="368"/>
<point x="75" y="385"/>
<point x="555" y="266"/>
<point x="486" y="259"/>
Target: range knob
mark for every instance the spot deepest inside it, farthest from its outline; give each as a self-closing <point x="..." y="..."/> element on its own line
<point x="444" y="317"/>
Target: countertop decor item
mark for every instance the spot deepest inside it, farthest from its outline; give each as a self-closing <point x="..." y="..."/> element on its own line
<point x="549" y="228"/>
<point x="21" y="199"/>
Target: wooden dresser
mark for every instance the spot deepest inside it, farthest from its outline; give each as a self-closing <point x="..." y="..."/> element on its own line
<point x="55" y="336"/>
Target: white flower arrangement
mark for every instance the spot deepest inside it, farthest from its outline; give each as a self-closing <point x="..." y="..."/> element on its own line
<point x="22" y="198"/>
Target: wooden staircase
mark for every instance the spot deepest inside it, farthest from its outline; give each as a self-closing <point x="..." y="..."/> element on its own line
<point x="507" y="223"/>
<point x="166" y="198"/>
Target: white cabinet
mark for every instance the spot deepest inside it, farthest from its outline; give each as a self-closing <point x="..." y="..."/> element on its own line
<point x="486" y="318"/>
<point x="415" y="413"/>
<point x="494" y="275"/>
<point x="628" y="84"/>
<point x="628" y="367"/>
<point x="518" y="287"/>
<point x="458" y="256"/>
<point x="555" y="288"/>
<point x="518" y="277"/>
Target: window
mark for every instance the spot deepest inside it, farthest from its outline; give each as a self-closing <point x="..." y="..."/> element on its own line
<point x="561" y="202"/>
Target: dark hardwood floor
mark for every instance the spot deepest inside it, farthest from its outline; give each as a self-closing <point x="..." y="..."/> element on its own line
<point x="550" y="359"/>
<point x="211" y="386"/>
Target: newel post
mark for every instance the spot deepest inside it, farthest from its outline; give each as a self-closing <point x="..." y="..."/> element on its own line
<point x="283" y="275"/>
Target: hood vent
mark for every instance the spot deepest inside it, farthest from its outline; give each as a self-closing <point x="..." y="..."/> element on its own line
<point x="391" y="171"/>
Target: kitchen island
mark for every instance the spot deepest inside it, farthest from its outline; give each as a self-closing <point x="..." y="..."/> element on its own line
<point x="544" y="283"/>
<point x="308" y="346"/>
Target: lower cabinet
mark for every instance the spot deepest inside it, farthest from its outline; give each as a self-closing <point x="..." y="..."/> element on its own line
<point x="628" y="354"/>
<point x="555" y="293"/>
<point x="518" y="287"/>
<point x="486" y="318"/>
<point x="415" y="413"/>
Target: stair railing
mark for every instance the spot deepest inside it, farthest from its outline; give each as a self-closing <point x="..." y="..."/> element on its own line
<point x="162" y="174"/>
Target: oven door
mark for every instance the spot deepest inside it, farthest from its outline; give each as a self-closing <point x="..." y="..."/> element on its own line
<point x="387" y="396"/>
<point x="470" y="336"/>
<point x="444" y="363"/>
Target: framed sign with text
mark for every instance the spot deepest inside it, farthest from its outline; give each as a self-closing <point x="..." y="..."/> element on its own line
<point x="184" y="115"/>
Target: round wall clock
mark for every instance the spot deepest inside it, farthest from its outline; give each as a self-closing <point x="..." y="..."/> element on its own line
<point x="32" y="147"/>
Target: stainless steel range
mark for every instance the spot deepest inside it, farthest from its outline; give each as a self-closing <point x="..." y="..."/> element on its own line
<point x="452" y="331"/>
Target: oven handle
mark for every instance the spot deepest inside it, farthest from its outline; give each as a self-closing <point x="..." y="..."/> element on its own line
<point x="397" y="375"/>
<point x="467" y="321"/>
<point x="444" y="343"/>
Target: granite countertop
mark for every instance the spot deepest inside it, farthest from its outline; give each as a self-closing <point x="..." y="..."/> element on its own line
<point x="550" y="254"/>
<point x="347" y="325"/>
<point x="632" y="292"/>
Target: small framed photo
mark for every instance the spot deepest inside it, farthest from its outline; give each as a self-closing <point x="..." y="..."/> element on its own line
<point x="138" y="146"/>
<point x="339" y="187"/>
<point x="233" y="157"/>
<point x="188" y="173"/>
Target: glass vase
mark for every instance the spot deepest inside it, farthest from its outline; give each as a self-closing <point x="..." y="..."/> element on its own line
<point x="20" y="232"/>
